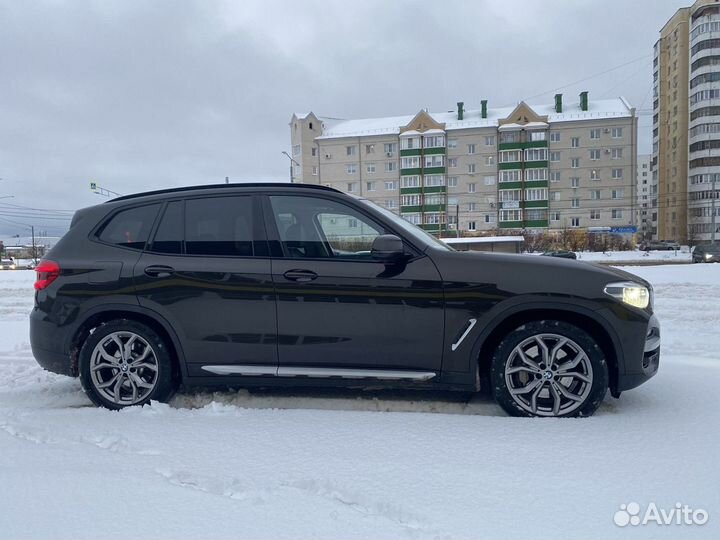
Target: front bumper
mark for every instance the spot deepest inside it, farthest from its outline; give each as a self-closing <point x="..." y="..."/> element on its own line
<point x="640" y="369"/>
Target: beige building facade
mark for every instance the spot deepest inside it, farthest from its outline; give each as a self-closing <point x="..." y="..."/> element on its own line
<point x="529" y="168"/>
<point x="686" y="123"/>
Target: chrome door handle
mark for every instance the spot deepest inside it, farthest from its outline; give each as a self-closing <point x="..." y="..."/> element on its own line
<point x="300" y="275"/>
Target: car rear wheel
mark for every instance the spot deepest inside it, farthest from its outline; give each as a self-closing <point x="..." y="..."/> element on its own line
<point x="125" y="363"/>
<point x="549" y="368"/>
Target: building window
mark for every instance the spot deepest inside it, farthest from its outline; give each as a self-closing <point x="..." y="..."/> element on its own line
<point x="536" y="154"/>
<point x="452" y="162"/>
<point x="390" y="166"/>
<point x="408" y="143"/>
<point x="369" y="148"/>
<point x="555" y="176"/>
<point x="489" y="180"/>
<point x="471" y="187"/>
<point x="554" y="195"/>
<point x="489" y="160"/>
<point x="574" y="163"/>
<point x="575" y="142"/>
<point x="509" y="215"/>
<point x="390" y="149"/>
<point x="616" y="133"/>
<point x="538" y="136"/>
<point x="370" y="186"/>
<point x="595" y="134"/>
<point x="575" y="202"/>
<point x="410" y="181"/>
<point x="594" y="174"/>
<point x="351" y="168"/>
<point x="434" y="218"/>
<point x="313" y="151"/>
<point x="452" y="143"/>
<point x="296" y="150"/>
<point x="350" y="150"/>
<point x="617" y="174"/>
<point x="618" y="193"/>
<point x="351" y="187"/>
<point x="574" y="181"/>
<point x="415" y="219"/>
<point x="410" y="200"/>
<point x="510" y="156"/>
<point x="391" y="185"/>
<point x="536" y="194"/>
<point x="536" y="214"/>
<point x="434" y="141"/>
<point x="594" y="215"/>
<point x="370" y="168"/>
<point x="575" y="222"/>
<point x="509" y="176"/>
<point x="555" y="136"/>
<point x="471" y="168"/>
<point x="471" y="226"/>
<point x="452" y="181"/>
<point x="506" y="195"/>
<point x="471" y="207"/>
<point x="390" y="203"/>
<point x="617" y="213"/>
<point x="471" y="148"/>
<point x="412" y="162"/>
<point x="490" y="218"/>
<point x="534" y="175"/>
<point x="434" y="180"/>
<point x="490" y="140"/>
<point x="434" y="199"/>
<point x="554" y="156"/>
<point x="616" y="153"/>
<point x="595" y="194"/>
<point x="595" y="154"/>
<point x="554" y="216"/>
<point x="434" y="161"/>
<point x="314" y="170"/>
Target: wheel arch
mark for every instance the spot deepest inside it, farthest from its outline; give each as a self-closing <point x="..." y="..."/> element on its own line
<point x="144" y="316"/>
<point x="586" y="320"/>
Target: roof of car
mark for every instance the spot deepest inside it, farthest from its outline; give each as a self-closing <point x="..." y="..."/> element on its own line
<point x="212" y="187"/>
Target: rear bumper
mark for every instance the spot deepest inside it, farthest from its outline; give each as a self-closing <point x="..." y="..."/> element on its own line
<point x="47" y="343"/>
<point x="642" y="367"/>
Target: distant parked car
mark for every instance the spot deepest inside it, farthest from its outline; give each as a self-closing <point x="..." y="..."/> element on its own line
<point x="562" y="253"/>
<point x="660" y="245"/>
<point x="7" y="264"/>
<point x="706" y="253"/>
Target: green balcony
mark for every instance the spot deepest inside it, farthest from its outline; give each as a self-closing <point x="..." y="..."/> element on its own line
<point x="510" y="185"/>
<point x="511" y="146"/>
<point x="433" y="208"/>
<point x="536" y="164"/>
<point x="432" y="170"/>
<point x="410" y="209"/>
<point x="434" y="151"/>
<point x="537" y="224"/>
<point x="411" y="172"/>
<point x="536" y="183"/>
<point x="435" y="189"/>
<point x="410" y="152"/>
<point x="510" y="224"/>
<point x="536" y="144"/>
<point x="410" y="190"/>
<point x="535" y="204"/>
<point x="431" y="227"/>
<point x="510" y="165"/>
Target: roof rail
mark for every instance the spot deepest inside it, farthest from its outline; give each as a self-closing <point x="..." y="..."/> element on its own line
<point x="218" y="186"/>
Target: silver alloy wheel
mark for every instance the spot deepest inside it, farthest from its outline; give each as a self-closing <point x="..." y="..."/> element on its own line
<point x="548" y="375"/>
<point x="124" y="368"/>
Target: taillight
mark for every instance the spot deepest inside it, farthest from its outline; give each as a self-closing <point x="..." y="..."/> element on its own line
<point x="45" y="273"/>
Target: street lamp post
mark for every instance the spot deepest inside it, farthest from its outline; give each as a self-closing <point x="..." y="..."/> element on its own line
<point x="292" y="162"/>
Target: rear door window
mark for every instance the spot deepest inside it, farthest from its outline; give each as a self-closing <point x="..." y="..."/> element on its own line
<point x="221" y="226"/>
<point x="169" y="235"/>
<point x="130" y="228"/>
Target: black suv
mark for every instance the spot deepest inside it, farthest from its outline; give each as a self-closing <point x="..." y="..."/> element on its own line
<point x="281" y="284"/>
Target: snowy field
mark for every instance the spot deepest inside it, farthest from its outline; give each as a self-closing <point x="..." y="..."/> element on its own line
<point x="279" y="466"/>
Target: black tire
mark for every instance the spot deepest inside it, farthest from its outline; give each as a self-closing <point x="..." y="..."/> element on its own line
<point x="159" y="372"/>
<point x="545" y="383"/>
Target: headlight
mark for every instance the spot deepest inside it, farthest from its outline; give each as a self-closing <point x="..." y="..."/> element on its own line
<point x="633" y="294"/>
<point x="12" y="267"/>
<point x="708" y="256"/>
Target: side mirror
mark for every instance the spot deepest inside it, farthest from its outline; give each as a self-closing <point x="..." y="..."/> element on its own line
<point x="387" y="248"/>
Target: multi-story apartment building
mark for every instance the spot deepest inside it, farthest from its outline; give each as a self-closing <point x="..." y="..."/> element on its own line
<point x="646" y="193"/>
<point x="686" y="122"/>
<point x="527" y="168"/>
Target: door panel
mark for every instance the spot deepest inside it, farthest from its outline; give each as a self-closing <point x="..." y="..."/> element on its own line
<point x="339" y="308"/>
<point x="213" y="283"/>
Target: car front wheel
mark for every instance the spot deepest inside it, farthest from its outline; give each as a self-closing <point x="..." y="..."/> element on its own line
<point x="549" y="368"/>
<point x="125" y="363"/>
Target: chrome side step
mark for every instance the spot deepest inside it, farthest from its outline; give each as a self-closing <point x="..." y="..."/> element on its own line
<point x="318" y="372"/>
<point x="385" y="374"/>
<point x="241" y="370"/>
<point x="470" y="325"/>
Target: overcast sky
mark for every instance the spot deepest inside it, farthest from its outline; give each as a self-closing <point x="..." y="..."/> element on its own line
<point x="138" y="95"/>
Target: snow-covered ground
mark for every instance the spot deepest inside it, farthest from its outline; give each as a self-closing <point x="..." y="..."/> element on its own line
<point x="275" y="466"/>
<point x="637" y="257"/>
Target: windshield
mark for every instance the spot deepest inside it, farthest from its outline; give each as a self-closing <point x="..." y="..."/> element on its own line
<point x="418" y="235"/>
